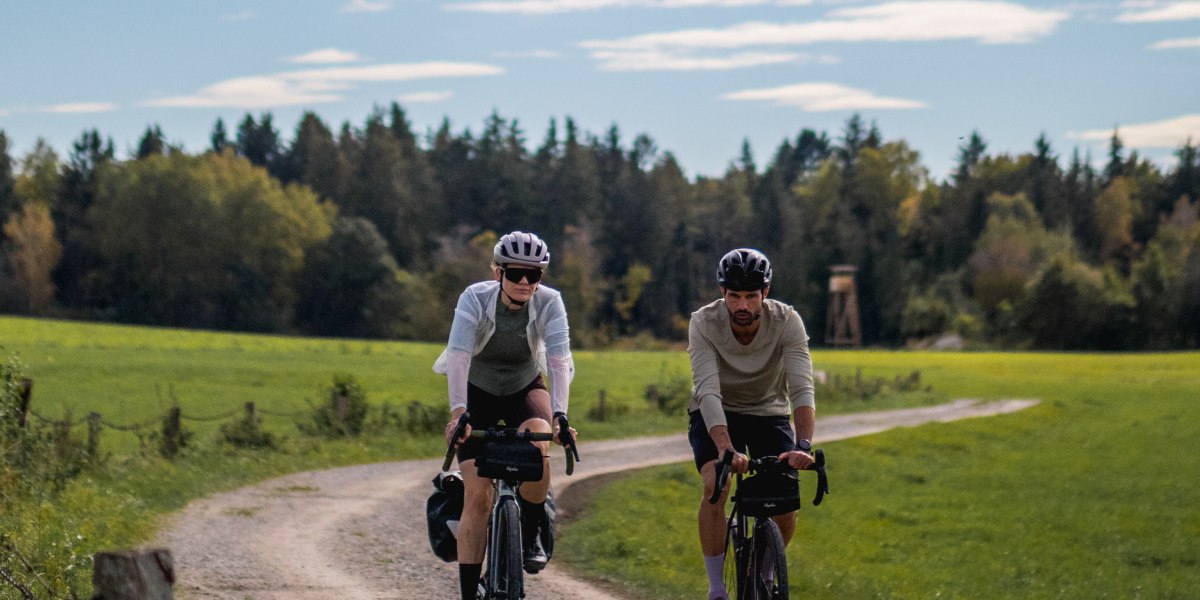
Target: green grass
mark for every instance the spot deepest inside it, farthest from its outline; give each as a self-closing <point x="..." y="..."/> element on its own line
<point x="133" y="375"/>
<point x="1091" y="494"/>
<point x="1088" y="495"/>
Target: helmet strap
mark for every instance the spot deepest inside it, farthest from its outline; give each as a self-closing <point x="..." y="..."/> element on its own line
<point x="516" y="304"/>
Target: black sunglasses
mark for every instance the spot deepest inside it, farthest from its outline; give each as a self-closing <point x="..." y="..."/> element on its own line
<point x="515" y="275"/>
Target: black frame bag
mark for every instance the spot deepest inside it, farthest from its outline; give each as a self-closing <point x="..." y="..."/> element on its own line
<point x="442" y="512"/>
<point x="769" y="494"/>
<point x="513" y="462"/>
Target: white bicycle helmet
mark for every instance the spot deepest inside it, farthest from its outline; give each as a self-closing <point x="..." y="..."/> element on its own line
<point x="521" y="248"/>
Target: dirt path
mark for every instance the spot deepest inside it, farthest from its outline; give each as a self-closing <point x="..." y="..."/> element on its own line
<point x="358" y="533"/>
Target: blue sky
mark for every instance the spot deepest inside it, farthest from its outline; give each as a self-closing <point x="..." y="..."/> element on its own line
<point x="697" y="76"/>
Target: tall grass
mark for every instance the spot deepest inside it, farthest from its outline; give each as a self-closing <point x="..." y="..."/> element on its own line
<point x="1091" y="494"/>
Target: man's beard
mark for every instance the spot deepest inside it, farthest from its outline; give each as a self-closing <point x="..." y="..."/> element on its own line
<point x="743" y="318"/>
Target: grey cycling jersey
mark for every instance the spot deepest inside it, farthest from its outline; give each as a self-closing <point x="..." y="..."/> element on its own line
<point x="505" y="365"/>
<point x="770" y="376"/>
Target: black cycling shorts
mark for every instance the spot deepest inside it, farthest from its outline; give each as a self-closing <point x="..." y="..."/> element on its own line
<point x="755" y="435"/>
<point x="488" y="410"/>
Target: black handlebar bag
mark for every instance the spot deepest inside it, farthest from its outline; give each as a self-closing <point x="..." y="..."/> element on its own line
<point x="769" y="494"/>
<point x="513" y="462"/>
<point x="442" y="512"/>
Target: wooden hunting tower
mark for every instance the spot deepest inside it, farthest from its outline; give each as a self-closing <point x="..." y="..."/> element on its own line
<point x="842" y="326"/>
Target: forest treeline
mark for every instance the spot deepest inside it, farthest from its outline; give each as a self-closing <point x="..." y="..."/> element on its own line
<point x="372" y="231"/>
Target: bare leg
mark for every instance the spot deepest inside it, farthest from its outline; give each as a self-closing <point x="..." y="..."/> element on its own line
<point x="712" y="518"/>
<point x="534" y="492"/>
<point x="472" y="527"/>
<point x="787" y="525"/>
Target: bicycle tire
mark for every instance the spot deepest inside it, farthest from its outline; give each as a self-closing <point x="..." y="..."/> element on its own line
<point x="735" y="557"/>
<point x="767" y="572"/>
<point x="505" y="578"/>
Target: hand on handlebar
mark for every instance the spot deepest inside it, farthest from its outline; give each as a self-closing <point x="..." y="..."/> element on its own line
<point x="457" y="424"/>
<point x="798" y="459"/>
<point x="564" y="435"/>
<point x="558" y="437"/>
<point x="740" y="463"/>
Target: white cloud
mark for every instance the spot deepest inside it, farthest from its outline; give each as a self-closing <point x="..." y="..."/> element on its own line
<point x="1168" y="133"/>
<point x="822" y="97"/>
<point x="906" y="21"/>
<point x="78" y="107"/>
<point x="541" y="7"/>
<point x="528" y="54"/>
<point x="1171" y="11"/>
<point x="1177" y="43"/>
<point x="393" y="72"/>
<point x="425" y="97"/>
<point x="314" y="86"/>
<point x="653" y="60"/>
<point x="366" y="6"/>
<point x="326" y="56"/>
<point x="247" y="92"/>
<point x="935" y="20"/>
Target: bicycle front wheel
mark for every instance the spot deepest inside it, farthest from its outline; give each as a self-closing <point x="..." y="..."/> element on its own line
<point x="767" y="571"/>
<point x="736" y="557"/>
<point x="506" y="581"/>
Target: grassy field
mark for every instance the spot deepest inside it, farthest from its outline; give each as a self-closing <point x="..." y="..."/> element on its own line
<point x="1091" y="494"/>
<point x="134" y="375"/>
<point x="1088" y="495"/>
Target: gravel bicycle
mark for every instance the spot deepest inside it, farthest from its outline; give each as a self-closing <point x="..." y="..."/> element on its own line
<point x="512" y="464"/>
<point x="755" y="564"/>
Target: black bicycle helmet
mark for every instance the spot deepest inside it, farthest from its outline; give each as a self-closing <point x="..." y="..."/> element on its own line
<point x="744" y="270"/>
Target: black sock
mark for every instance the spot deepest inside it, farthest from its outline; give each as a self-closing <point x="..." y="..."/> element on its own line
<point x="532" y="516"/>
<point x="468" y="579"/>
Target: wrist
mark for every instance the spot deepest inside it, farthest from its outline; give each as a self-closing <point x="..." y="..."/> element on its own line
<point x="804" y="445"/>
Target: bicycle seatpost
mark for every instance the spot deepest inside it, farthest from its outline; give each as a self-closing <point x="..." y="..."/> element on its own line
<point x="458" y="433"/>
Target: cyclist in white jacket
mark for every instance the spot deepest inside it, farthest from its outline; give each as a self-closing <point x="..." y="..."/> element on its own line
<point x="506" y="334"/>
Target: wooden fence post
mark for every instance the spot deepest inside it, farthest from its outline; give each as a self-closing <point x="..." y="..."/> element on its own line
<point x="93" y="437"/>
<point x="25" y="394"/>
<point x="133" y="575"/>
<point x="172" y="440"/>
<point x="340" y="408"/>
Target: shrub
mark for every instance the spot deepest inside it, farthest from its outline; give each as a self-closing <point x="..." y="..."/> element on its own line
<point x="344" y="411"/>
<point x="671" y="393"/>
<point x="247" y="432"/>
<point x="840" y="388"/>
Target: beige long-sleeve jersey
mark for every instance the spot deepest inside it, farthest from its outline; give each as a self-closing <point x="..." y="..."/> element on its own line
<point x="770" y="376"/>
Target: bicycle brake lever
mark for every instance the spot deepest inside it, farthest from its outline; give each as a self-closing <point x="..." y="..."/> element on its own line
<point x="458" y="433"/>
<point x="568" y="441"/>
<point x="722" y="473"/>
<point x="822" y="478"/>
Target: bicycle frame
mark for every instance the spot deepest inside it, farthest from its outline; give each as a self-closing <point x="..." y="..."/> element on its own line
<point x="758" y="569"/>
<point x="504" y="578"/>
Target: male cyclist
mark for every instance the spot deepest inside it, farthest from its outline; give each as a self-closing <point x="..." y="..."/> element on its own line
<point x="506" y="333"/>
<point x="751" y="371"/>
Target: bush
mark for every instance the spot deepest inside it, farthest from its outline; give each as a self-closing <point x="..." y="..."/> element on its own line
<point x="671" y="393"/>
<point x="344" y="411"/>
<point x="247" y="432"/>
<point x="840" y="388"/>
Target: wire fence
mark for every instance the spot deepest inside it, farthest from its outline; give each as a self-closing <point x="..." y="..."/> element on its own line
<point x="152" y="422"/>
<point x="345" y="413"/>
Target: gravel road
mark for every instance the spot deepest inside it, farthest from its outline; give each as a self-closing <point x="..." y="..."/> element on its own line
<point x="358" y="533"/>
